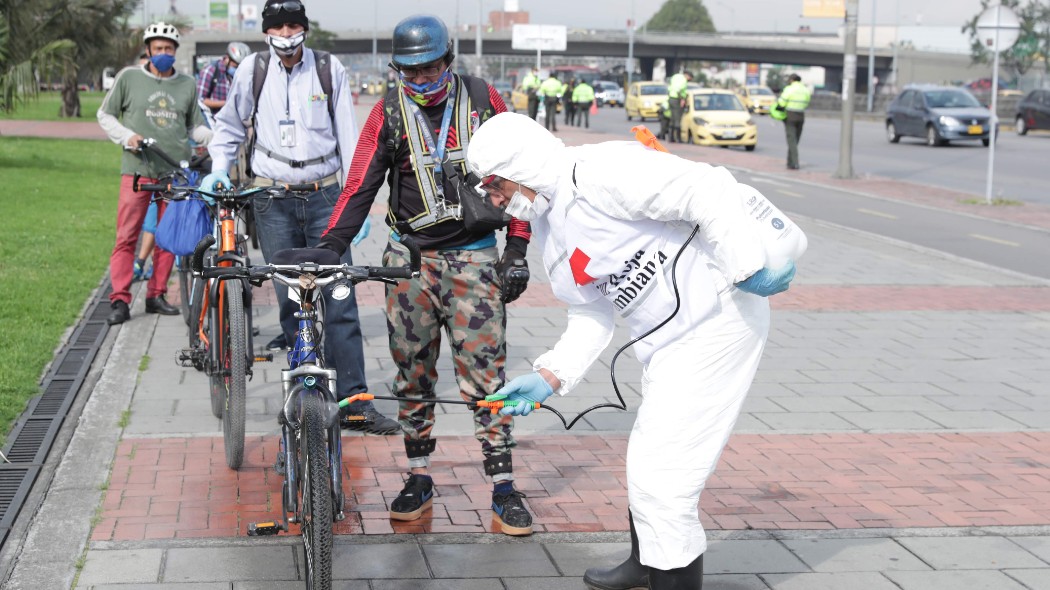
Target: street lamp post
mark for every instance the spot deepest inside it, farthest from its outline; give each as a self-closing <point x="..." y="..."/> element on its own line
<point x="477" y="44"/>
<point x="732" y="16"/>
<point x="849" y="74"/>
<point x="871" y="61"/>
<point x="375" y="34"/>
<point x="630" y="46"/>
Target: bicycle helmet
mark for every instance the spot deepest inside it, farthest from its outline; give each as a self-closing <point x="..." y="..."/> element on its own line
<point x="161" y="31"/>
<point x="419" y="40"/>
<point x="237" y="51"/>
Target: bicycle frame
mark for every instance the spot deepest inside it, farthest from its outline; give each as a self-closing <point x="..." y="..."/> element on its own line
<point x="228" y="253"/>
<point x="306" y="376"/>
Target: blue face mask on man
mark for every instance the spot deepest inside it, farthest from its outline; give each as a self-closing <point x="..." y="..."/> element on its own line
<point x="163" y="62"/>
<point x="231" y="70"/>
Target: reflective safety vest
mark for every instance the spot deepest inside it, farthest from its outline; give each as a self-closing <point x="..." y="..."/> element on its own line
<point x="583" y="93"/>
<point x="531" y="82"/>
<point x="551" y="88"/>
<point x="795" y="97"/>
<point x="437" y="208"/>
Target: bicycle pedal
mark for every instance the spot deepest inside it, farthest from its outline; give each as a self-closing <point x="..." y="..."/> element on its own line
<point x="187" y="357"/>
<point x="352" y="418"/>
<point x="261" y="529"/>
<point x="264" y="358"/>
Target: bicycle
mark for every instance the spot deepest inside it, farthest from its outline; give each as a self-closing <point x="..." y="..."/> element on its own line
<point x="310" y="456"/>
<point x="220" y="318"/>
<point x="186" y="173"/>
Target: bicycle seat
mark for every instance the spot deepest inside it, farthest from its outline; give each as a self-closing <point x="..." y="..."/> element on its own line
<point x="321" y="256"/>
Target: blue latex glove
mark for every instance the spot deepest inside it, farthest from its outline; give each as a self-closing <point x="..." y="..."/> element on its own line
<point x="213" y="183"/>
<point x="522" y="393"/>
<point x="363" y="232"/>
<point x="767" y="282"/>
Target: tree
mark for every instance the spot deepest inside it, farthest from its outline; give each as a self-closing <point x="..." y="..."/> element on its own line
<point x="688" y="16"/>
<point x="57" y="38"/>
<point x="320" y="38"/>
<point x="1033" y="43"/>
<point x="18" y="71"/>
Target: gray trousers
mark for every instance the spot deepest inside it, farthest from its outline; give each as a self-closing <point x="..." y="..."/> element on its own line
<point x="793" y="131"/>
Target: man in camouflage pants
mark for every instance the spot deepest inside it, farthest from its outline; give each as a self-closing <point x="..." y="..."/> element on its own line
<point x="430" y="117"/>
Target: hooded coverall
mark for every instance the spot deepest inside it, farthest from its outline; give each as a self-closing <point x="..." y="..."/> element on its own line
<point x="613" y="217"/>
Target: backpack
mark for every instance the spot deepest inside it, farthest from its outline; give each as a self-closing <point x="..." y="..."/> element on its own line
<point x="262" y="66"/>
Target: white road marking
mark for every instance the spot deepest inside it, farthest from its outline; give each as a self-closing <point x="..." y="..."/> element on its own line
<point x="768" y="181"/>
<point x="995" y="240"/>
<point x="790" y="193"/>
<point x="877" y="213"/>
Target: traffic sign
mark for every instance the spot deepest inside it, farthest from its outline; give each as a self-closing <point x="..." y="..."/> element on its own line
<point x="539" y="37"/>
<point x="998" y="28"/>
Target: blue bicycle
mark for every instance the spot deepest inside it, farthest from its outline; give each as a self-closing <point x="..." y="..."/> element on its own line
<point x="310" y="456"/>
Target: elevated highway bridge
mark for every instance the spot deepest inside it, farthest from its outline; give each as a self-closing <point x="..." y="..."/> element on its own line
<point x="791" y="50"/>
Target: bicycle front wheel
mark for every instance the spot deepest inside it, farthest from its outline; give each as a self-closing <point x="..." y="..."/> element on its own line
<point x="234" y="355"/>
<point x="316" y="490"/>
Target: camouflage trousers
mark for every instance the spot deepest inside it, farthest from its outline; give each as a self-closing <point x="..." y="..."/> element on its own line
<point x="457" y="293"/>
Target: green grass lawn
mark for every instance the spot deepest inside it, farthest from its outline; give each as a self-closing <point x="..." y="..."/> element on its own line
<point x="58" y="206"/>
<point x="45" y="107"/>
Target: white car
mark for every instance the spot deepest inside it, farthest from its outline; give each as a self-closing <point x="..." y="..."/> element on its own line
<point x="108" y="77"/>
<point x="608" y="93"/>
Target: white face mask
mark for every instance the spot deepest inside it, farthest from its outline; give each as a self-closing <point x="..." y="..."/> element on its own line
<point x="522" y="208"/>
<point x="287" y="46"/>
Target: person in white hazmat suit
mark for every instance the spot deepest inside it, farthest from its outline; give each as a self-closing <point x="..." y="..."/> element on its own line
<point x="611" y="218"/>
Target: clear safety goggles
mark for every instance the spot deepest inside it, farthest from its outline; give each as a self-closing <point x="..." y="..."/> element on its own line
<point x="426" y="70"/>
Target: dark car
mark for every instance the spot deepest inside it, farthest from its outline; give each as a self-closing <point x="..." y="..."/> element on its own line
<point x="1033" y="112"/>
<point x="938" y="114"/>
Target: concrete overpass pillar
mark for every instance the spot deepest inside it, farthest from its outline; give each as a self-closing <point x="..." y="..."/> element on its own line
<point x="647" y="64"/>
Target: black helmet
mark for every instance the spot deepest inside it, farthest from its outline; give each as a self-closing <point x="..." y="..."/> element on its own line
<point x="419" y="40"/>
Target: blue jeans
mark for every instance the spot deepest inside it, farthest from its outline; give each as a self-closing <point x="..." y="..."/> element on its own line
<point x="294" y="223"/>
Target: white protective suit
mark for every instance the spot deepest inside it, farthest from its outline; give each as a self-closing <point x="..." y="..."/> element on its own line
<point x="616" y="215"/>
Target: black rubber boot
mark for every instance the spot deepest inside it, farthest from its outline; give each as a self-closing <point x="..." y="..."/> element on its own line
<point x="629" y="575"/>
<point x="690" y="577"/>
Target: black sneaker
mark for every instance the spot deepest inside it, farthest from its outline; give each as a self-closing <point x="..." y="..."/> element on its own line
<point x="509" y="512"/>
<point x="278" y="343"/>
<point x="120" y="313"/>
<point x="416" y="497"/>
<point x="370" y="421"/>
<point x="160" y="305"/>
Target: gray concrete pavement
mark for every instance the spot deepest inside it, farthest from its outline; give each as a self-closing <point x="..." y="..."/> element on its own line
<point x="880" y="359"/>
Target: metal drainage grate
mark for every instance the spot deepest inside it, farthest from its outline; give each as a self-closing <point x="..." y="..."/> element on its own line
<point x="34" y="433"/>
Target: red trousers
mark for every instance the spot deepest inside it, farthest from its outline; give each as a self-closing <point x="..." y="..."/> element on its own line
<point x="131" y="212"/>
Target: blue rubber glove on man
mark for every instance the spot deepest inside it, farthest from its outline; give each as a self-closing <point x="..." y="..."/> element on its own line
<point x="521" y="394"/>
<point x="363" y="232"/>
<point x="213" y="183"/>
<point x="767" y="282"/>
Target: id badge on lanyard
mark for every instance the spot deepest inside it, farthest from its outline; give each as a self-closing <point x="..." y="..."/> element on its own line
<point x="287" y="133"/>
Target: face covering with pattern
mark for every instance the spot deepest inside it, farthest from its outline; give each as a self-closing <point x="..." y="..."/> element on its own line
<point x="426" y="95"/>
<point x="287" y="46"/>
<point x="163" y="62"/>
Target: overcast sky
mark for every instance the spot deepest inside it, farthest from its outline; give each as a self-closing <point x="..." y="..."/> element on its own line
<point x="741" y="15"/>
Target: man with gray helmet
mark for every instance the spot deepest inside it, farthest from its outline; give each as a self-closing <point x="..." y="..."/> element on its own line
<point x="214" y="82"/>
<point x="429" y="118"/>
<point x="304" y="133"/>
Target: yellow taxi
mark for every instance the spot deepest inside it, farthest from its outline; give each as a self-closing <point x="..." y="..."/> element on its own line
<point x="717" y="117"/>
<point x="519" y="101"/>
<point x="644" y="100"/>
<point x="757" y="98"/>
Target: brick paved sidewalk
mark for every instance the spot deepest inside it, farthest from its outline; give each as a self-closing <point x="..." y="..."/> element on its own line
<point x="181" y="488"/>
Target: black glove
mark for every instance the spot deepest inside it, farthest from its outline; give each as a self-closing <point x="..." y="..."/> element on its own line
<point x="513" y="270"/>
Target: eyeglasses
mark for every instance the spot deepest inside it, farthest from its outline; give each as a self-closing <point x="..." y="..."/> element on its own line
<point x="427" y="71"/>
<point x="492" y="183"/>
<point x="287" y="6"/>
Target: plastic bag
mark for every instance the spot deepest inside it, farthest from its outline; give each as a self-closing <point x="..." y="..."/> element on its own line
<point x="182" y="225"/>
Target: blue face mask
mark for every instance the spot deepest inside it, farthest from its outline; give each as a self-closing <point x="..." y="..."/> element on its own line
<point x="163" y="62"/>
<point x="231" y="70"/>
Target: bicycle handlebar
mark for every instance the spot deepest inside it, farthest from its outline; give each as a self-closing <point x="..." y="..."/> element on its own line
<point x="321" y="274"/>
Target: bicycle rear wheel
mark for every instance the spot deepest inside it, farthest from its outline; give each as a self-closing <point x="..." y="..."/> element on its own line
<point x="233" y="353"/>
<point x="185" y="284"/>
<point x="315" y="487"/>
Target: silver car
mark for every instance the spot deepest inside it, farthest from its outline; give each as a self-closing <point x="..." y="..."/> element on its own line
<point x="608" y="93"/>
